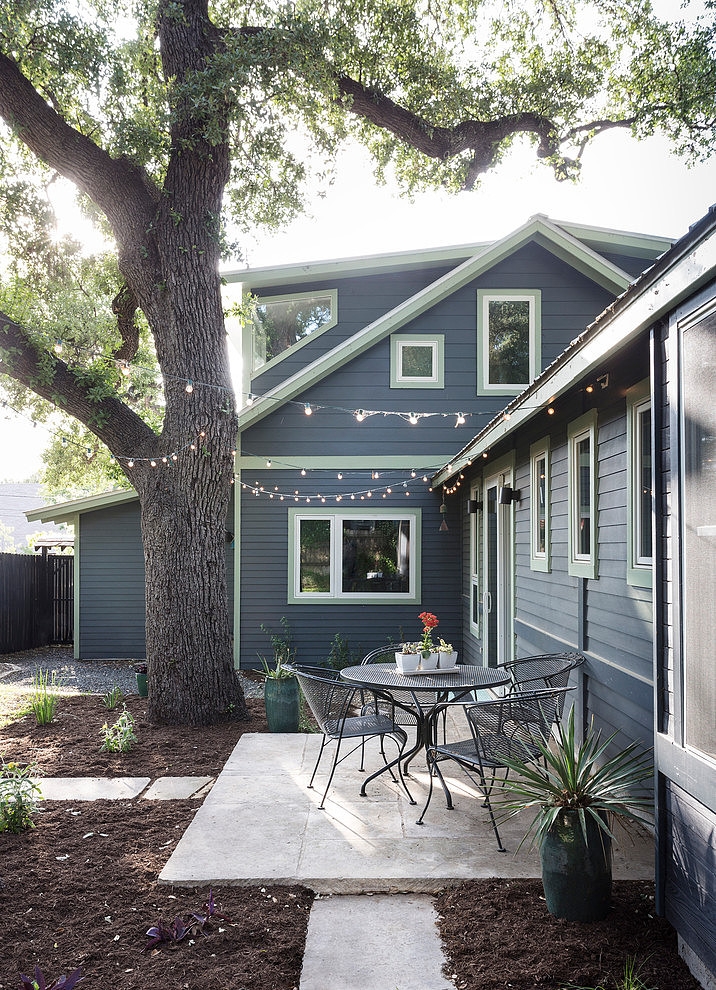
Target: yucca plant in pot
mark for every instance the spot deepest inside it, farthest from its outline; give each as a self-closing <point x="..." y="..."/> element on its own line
<point x="577" y="793"/>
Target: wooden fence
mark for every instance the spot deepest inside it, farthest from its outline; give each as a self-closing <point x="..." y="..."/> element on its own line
<point x="36" y="601"/>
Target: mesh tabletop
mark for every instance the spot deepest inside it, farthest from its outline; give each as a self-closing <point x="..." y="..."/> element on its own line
<point x="388" y="677"/>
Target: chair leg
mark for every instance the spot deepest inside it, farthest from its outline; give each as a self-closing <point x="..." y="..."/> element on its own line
<point x="389" y="767"/>
<point x="320" y="754"/>
<point x="330" y="775"/>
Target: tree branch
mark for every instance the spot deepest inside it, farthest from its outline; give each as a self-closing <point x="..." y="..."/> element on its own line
<point x="124" y="306"/>
<point x="111" y="420"/>
<point x="119" y="188"/>
<point x="481" y="137"/>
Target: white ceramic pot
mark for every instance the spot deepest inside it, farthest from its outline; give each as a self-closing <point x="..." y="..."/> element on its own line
<point x="448" y="659"/>
<point x="406" y="661"/>
<point x="429" y="661"/>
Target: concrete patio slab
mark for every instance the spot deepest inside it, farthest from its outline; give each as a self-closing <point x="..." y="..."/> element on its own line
<point x="271" y="828"/>
<point x="415" y="959"/>
<point x="92" y="788"/>
<point x="175" y="788"/>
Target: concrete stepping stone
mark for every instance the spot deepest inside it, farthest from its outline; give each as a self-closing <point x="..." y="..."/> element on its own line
<point x="91" y="788"/>
<point x="379" y="942"/>
<point x="176" y="788"/>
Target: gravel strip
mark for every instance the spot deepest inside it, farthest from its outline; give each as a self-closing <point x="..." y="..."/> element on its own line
<point x="84" y="676"/>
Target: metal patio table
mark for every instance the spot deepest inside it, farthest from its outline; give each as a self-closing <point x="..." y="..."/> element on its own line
<point x="462" y="681"/>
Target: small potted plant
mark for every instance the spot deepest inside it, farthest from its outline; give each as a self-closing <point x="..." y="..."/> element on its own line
<point x="577" y="793"/>
<point x="447" y="657"/>
<point x="140" y="670"/>
<point x="407" y="658"/>
<point x="281" y="695"/>
<point x="428" y="654"/>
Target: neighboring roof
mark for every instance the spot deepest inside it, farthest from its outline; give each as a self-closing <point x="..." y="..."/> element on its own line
<point x="15" y="499"/>
<point x="539" y="229"/>
<point x="690" y="264"/>
<point x="599" y="239"/>
<point x="66" y="511"/>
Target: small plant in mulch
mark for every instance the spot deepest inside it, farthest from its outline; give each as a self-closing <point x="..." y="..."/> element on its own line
<point x="44" y="697"/>
<point x="632" y="980"/>
<point x="119" y="737"/>
<point x="174" y="931"/>
<point x="112" y="699"/>
<point x="38" y="981"/>
<point x="19" y="796"/>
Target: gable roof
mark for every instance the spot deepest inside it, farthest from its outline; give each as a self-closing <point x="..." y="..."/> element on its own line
<point x="554" y="237"/>
<point x="690" y="264"/>
<point x="66" y="511"/>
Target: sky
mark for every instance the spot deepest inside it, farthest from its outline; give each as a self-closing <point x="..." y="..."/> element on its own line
<point x="625" y="185"/>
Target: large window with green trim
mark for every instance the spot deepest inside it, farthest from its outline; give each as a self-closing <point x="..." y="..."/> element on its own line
<point x="509" y="339"/>
<point x="283" y="322"/>
<point x="344" y="555"/>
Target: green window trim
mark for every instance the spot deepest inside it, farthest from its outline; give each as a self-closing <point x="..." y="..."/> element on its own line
<point x="404" y="348"/>
<point x="253" y="344"/>
<point x="582" y="495"/>
<point x="531" y="361"/>
<point x="328" y="573"/>
<point x="639" y="568"/>
<point x="540" y="498"/>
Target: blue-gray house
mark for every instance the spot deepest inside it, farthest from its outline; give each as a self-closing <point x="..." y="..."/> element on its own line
<point x="438" y="430"/>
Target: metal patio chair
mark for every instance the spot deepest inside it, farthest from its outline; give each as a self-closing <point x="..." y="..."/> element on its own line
<point x="333" y="703"/>
<point x="509" y="727"/>
<point x="546" y="670"/>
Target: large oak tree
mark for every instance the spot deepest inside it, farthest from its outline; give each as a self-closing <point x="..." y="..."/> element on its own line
<point x="170" y="117"/>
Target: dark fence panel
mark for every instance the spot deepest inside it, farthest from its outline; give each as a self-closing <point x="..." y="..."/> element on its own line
<point x="35" y="601"/>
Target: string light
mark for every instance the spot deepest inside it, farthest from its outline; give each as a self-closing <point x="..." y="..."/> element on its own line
<point x="189" y="387"/>
<point x="307" y="409"/>
<point x="460" y="420"/>
<point x="413" y="419"/>
<point x="360" y="415"/>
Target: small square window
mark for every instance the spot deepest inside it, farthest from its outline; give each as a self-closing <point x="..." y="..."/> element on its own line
<point x="416" y="362"/>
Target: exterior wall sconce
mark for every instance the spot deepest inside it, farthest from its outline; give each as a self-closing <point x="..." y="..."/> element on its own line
<point x="507" y="495"/>
<point x="473" y="506"/>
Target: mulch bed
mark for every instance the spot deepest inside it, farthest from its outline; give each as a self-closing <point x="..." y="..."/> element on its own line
<point x="81" y="889"/>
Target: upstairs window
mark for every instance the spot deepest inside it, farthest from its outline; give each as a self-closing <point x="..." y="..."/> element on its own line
<point x="283" y="322"/>
<point x="417" y="362"/>
<point x="582" y="484"/>
<point x="509" y="340"/>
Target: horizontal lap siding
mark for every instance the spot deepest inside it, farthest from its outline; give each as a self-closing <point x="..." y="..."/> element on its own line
<point x="690" y="871"/>
<point x="264" y="575"/>
<point x="111" y="583"/>
<point x="617" y="617"/>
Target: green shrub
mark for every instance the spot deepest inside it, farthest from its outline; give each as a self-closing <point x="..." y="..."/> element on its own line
<point x="44" y="697"/>
<point x="112" y="699"/>
<point x="119" y="737"/>
<point x="19" y="796"/>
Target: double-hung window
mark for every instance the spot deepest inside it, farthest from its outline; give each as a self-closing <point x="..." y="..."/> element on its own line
<point x="539" y="505"/>
<point x="582" y="485"/>
<point x="509" y="352"/>
<point x="639" y="509"/>
<point x="347" y="555"/>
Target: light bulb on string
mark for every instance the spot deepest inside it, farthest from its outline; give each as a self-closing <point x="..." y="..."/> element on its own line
<point x="460" y="420"/>
<point x="250" y="399"/>
<point x="360" y="415"/>
<point x="58" y="346"/>
<point x="412" y="418"/>
<point x="303" y="472"/>
<point x="189" y="387"/>
<point x="307" y="409"/>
